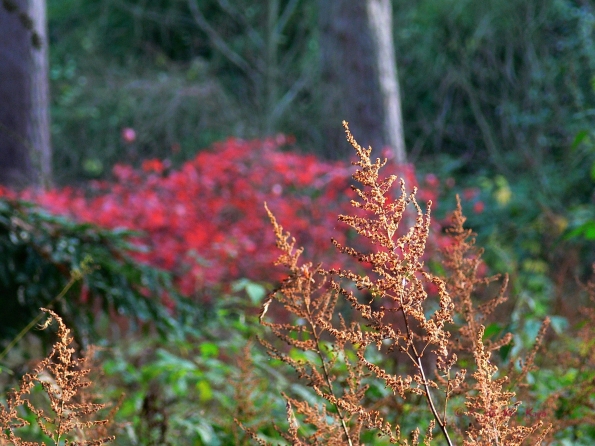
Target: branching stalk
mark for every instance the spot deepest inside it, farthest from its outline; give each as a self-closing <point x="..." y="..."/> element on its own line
<point x="329" y="383"/>
<point x="420" y="367"/>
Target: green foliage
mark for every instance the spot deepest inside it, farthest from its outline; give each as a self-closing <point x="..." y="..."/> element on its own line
<point x="536" y="227"/>
<point x="123" y="29"/>
<point x="504" y="84"/>
<point x="172" y="112"/>
<point x="39" y="252"/>
<point x="505" y="103"/>
<point x="110" y="70"/>
<point x="189" y="387"/>
<point x="155" y="68"/>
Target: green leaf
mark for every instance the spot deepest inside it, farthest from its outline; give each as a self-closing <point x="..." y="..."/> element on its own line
<point x="256" y="292"/>
<point x="580" y="136"/>
<point x="167" y="359"/>
<point x="559" y="324"/>
<point x="586" y="230"/>
<point x="505" y="351"/>
<point x="204" y="390"/>
<point x="209" y="350"/>
<point x="492" y="330"/>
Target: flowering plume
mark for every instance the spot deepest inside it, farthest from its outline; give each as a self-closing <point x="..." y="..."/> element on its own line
<point x="70" y="417"/>
<point x="357" y="328"/>
<point x="391" y="318"/>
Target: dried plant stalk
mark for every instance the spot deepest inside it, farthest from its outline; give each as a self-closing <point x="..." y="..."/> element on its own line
<point x="490" y="408"/>
<point x="64" y="379"/>
<point x="390" y="312"/>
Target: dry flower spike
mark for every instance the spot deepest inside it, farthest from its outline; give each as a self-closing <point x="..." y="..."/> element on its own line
<point x="391" y="313"/>
<point x="67" y="417"/>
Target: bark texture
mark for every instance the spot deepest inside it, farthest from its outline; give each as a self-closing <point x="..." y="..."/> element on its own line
<point x="25" y="151"/>
<point x="380" y="17"/>
<point x="359" y="76"/>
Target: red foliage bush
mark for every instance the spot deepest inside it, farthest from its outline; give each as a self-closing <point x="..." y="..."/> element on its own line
<point x="205" y="221"/>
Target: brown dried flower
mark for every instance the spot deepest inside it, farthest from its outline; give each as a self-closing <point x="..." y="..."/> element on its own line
<point x="356" y="327"/>
<point x="70" y="418"/>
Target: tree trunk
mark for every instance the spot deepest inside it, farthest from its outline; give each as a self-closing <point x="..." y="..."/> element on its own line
<point x="25" y="152"/>
<point x="359" y="76"/>
<point x="380" y="17"/>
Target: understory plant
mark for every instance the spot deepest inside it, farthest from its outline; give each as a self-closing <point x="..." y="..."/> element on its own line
<point x="41" y="253"/>
<point x="392" y="349"/>
<point x="68" y="414"/>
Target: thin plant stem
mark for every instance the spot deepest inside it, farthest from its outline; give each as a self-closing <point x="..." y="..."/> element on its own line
<point x="420" y="366"/>
<point x="74" y="277"/>
<point x="328" y="379"/>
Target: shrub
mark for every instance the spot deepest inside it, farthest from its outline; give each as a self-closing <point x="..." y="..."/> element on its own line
<point x="201" y="222"/>
<point x="41" y="253"/>
<point x="188" y="389"/>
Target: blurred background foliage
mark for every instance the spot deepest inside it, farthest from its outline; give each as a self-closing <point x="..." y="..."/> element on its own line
<point x="182" y="77"/>
<point x="499" y="86"/>
<point x="498" y="98"/>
